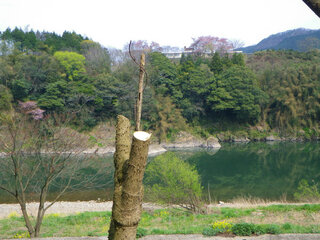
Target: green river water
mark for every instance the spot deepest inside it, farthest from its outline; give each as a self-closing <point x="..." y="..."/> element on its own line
<point x="265" y="170"/>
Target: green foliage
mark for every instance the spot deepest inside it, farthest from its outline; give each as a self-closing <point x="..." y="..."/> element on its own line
<point x="216" y="65"/>
<point x="291" y="81"/>
<point x="168" y="119"/>
<point x="238" y="59"/>
<point x="164" y="75"/>
<point x="240" y="229"/>
<point x="209" y="231"/>
<point x="243" y="229"/>
<point x="141" y="232"/>
<point x="162" y="221"/>
<point x="20" y="89"/>
<point x="279" y="89"/>
<point x="22" y="235"/>
<point x="54" y="97"/>
<point x="306" y="192"/>
<point x="193" y="82"/>
<point x="271" y="229"/>
<point x="170" y="180"/>
<point x="222" y="226"/>
<point x="236" y="91"/>
<point x="72" y="62"/>
<point x="218" y="227"/>
<point x="97" y="58"/>
<point x="5" y="99"/>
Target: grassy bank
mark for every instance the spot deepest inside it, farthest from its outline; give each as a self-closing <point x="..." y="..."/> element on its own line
<point x="271" y="219"/>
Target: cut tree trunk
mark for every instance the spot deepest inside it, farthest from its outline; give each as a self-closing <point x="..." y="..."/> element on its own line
<point x="128" y="193"/>
<point x="122" y="154"/>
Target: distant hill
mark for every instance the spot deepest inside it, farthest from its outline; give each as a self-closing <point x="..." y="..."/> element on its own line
<point x="300" y="39"/>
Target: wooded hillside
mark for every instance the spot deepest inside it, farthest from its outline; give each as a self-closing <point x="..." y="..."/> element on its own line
<point x="277" y="90"/>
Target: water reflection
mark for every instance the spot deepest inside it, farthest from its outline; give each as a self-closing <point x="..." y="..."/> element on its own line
<point x="257" y="169"/>
<point x="93" y="181"/>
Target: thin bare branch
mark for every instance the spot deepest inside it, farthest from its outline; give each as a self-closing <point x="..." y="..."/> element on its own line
<point x="34" y="171"/>
<point x="141" y="67"/>
<point x="59" y="195"/>
<point x="8" y="191"/>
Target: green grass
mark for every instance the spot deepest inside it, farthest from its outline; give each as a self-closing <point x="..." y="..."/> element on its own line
<point x="170" y="221"/>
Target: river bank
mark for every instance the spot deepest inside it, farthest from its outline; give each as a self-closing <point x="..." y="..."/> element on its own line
<point x="184" y="140"/>
<point x="68" y="208"/>
<point x="158" y="222"/>
<point x="65" y="208"/>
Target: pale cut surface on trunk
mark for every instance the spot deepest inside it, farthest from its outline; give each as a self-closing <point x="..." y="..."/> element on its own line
<point x="129" y="209"/>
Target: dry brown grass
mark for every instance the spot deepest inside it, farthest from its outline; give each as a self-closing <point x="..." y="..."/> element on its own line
<point x="301" y="218"/>
<point x="251" y="202"/>
<point x="104" y="133"/>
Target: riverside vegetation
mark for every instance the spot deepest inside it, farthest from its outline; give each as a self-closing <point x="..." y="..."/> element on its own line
<point x="172" y="184"/>
<point x="229" y="95"/>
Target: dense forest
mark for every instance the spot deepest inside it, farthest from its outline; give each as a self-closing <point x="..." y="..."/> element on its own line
<point x="267" y="92"/>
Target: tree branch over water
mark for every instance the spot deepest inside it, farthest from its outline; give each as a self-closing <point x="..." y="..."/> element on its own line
<point x="39" y="155"/>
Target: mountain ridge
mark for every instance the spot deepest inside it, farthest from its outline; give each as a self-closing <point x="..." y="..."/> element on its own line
<point x="300" y="39"/>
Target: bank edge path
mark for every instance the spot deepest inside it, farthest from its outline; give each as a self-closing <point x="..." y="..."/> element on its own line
<point x="200" y="237"/>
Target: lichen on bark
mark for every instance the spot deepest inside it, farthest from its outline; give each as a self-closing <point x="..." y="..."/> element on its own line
<point x="130" y="161"/>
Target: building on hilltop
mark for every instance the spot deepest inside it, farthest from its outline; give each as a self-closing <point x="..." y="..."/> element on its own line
<point x="191" y="51"/>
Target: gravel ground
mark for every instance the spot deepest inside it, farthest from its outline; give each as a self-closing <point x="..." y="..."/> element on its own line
<point x="58" y="207"/>
<point x="66" y="208"/>
<point x="200" y="237"/>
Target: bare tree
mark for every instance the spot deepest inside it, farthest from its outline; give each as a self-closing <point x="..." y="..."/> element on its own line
<point x="236" y="43"/>
<point x="97" y="57"/>
<point x="314" y="5"/>
<point x="39" y="154"/>
<point x="117" y="57"/>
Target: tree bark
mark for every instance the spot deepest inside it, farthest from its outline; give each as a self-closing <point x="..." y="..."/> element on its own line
<point x="128" y="192"/>
<point x="140" y="91"/>
<point x="121" y="155"/>
<point x="314" y="5"/>
<point x="27" y="219"/>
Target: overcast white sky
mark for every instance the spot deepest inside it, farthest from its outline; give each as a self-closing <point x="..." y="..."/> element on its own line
<point x="168" y="22"/>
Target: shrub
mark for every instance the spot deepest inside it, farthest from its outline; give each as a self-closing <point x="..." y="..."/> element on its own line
<point x="222" y="225"/>
<point x="141" y="232"/>
<point x="272" y="229"/>
<point x="240" y="229"/>
<point x="170" y="180"/>
<point x="243" y="229"/>
<point x="260" y="230"/>
<point x="306" y="192"/>
<point x="22" y="235"/>
<point x="217" y="227"/>
<point x="209" y="231"/>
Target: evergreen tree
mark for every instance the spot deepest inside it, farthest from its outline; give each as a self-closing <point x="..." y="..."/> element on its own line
<point x="238" y="59"/>
<point x="216" y="65"/>
<point x="236" y="92"/>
